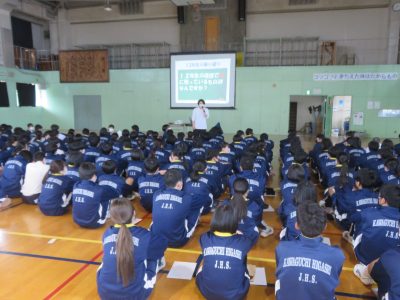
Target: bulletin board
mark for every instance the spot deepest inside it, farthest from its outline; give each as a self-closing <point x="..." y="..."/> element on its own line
<point x="84" y="66"/>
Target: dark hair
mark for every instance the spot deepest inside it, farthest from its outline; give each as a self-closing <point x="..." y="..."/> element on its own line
<point x="300" y="156"/>
<point x="85" y="131"/>
<point x="391" y="193"/>
<point x="26" y="155"/>
<point x="51" y="147"/>
<point x="326" y="144"/>
<point x="393" y="165"/>
<point x="38" y="156"/>
<point x="197" y="170"/>
<point x="373" y="146"/>
<point x="239" y="205"/>
<point x="311" y="219"/>
<point x="305" y="191"/>
<point x="385" y="153"/>
<point x="121" y="212"/>
<point x="56" y="166"/>
<point x="201" y="101"/>
<point x="137" y="155"/>
<point x="224" y="219"/>
<point x="296" y="173"/>
<point x="247" y="163"/>
<point x="236" y="138"/>
<point x="343" y="160"/>
<point x="249" y="131"/>
<point x="75" y="159"/>
<point x="151" y="165"/>
<point x="387" y="143"/>
<point x="87" y="170"/>
<point x="211" y="153"/>
<point x="93" y="140"/>
<point x="172" y="177"/>
<point x="181" y="136"/>
<point x="335" y="151"/>
<point x="106" y="148"/>
<point x="109" y="166"/>
<point x="367" y="178"/>
<point x="240" y="186"/>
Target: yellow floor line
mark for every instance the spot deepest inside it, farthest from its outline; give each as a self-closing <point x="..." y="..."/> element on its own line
<point x="62" y="238"/>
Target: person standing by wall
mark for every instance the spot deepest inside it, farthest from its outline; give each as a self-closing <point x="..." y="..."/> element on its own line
<point x="199" y="116"/>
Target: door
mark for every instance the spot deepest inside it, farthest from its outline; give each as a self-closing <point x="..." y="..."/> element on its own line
<point x="87" y="112"/>
<point x="293" y="116"/>
<point x="211" y="34"/>
<point x="341" y="113"/>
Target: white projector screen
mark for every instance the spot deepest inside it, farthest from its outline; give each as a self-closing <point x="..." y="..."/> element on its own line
<point x="208" y="76"/>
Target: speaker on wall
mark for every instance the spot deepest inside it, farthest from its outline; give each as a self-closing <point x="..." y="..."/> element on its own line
<point x="242" y="10"/>
<point x="181" y="14"/>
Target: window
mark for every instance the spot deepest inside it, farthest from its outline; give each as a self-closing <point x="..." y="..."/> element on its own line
<point x="4" y="102"/>
<point x="26" y="94"/>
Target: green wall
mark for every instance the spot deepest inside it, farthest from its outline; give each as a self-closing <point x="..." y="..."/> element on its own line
<point x="262" y="98"/>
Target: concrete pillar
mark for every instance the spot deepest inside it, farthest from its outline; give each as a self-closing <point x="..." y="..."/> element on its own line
<point x="63" y="31"/>
<point x="6" y="41"/>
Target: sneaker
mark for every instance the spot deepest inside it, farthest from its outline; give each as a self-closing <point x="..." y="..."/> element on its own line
<point x="161" y="263"/>
<point x="322" y="203"/>
<point x="5" y="202"/>
<point x="267" y="231"/>
<point x="347" y="237"/>
<point x="361" y="272"/>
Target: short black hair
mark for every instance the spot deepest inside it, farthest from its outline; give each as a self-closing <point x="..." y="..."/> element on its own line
<point x="26" y="155"/>
<point x="296" y="173"/>
<point x="56" y="166"/>
<point x="38" y="156"/>
<point x="75" y="159"/>
<point x="201" y="101"/>
<point x="247" y="163"/>
<point x="391" y="193"/>
<point x="240" y="186"/>
<point x="305" y="191"/>
<point x="211" y="153"/>
<point x="172" y="177"/>
<point x="137" y="155"/>
<point x="94" y="140"/>
<point x="311" y="219"/>
<point x="151" y="165"/>
<point x="224" y="219"/>
<point x="109" y="166"/>
<point x="373" y="146"/>
<point x="367" y="178"/>
<point x="249" y="131"/>
<point x="106" y="148"/>
<point x="87" y="170"/>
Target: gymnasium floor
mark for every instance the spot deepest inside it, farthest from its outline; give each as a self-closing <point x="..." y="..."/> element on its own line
<point x="52" y="258"/>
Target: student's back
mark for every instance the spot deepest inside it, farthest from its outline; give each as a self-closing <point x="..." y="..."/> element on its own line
<point x="13" y="173"/>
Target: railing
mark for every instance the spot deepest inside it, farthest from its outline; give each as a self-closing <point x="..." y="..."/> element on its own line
<point x="262" y="52"/>
<point x="32" y="59"/>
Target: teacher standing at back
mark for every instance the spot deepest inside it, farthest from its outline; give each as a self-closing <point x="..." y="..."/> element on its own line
<point x="199" y="116"/>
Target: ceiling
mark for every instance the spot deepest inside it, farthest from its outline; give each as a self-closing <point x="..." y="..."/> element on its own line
<point x="71" y="4"/>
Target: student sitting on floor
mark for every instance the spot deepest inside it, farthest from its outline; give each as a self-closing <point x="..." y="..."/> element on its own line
<point x="307" y="268"/>
<point x="89" y="204"/>
<point x="244" y="210"/>
<point x="106" y="154"/>
<point x="224" y="274"/>
<point x="173" y="217"/>
<point x="376" y="230"/>
<point x="150" y="182"/>
<point x="198" y="187"/>
<point x="129" y="266"/>
<point x="56" y="191"/>
<point x="13" y="176"/>
<point x="385" y="271"/>
<point x="390" y="174"/>
<point x="305" y="191"/>
<point x="92" y="152"/>
<point x="135" y="168"/>
<point x="34" y="177"/>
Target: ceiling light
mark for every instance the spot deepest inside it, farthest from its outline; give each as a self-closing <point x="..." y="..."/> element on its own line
<point x="107" y="6"/>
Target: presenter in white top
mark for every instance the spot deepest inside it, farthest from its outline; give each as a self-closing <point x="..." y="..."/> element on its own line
<point x="199" y="116"/>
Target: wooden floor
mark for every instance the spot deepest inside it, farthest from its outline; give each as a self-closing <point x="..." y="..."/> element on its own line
<point x="52" y="258"/>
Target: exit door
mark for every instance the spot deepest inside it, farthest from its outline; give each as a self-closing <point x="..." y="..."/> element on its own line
<point x="337" y="111"/>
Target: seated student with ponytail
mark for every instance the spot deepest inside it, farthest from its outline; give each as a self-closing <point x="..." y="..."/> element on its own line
<point x="56" y="191"/>
<point x="34" y="175"/>
<point x="224" y="274"/>
<point x="198" y="187"/>
<point x="244" y="210"/>
<point x="129" y="266"/>
<point x="305" y="191"/>
<point x="150" y="182"/>
<point x="376" y="230"/>
<point x="173" y="217"/>
<point x="74" y="160"/>
<point x="390" y="174"/>
<point x="306" y="268"/>
<point x="13" y="176"/>
<point x="89" y="204"/>
<point x="352" y="201"/>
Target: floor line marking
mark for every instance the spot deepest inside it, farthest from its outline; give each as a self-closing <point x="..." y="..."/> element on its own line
<point x="72" y="277"/>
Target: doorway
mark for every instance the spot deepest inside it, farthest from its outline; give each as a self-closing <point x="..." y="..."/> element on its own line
<point x="211" y="33"/>
<point x="87" y="112"/>
<point x="340" y="115"/>
<point x="306" y="114"/>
